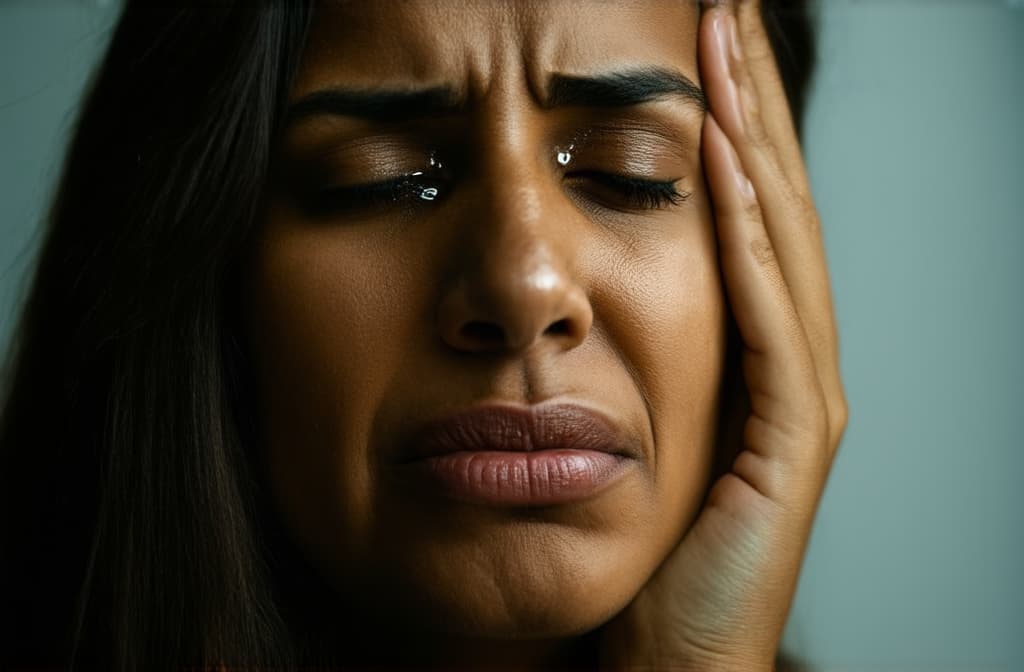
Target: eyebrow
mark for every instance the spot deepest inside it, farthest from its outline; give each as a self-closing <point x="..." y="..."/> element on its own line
<point x="621" y="89"/>
<point x="613" y="89"/>
<point x="378" y="105"/>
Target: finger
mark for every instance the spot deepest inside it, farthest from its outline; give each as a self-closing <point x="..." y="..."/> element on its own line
<point x="777" y="119"/>
<point x="763" y="64"/>
<point x="778" y="367"/>
<point x="790" y="217"/>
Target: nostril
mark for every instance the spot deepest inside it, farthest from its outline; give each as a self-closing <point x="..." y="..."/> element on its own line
<point x="559" y="328"/>
<point x="483" y="332"/>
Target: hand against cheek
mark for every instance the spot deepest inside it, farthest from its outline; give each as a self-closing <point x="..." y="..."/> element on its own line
<point x="720" y="600"/>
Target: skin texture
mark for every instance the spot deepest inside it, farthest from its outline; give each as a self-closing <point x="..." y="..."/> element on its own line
<point x="357" y="321"/>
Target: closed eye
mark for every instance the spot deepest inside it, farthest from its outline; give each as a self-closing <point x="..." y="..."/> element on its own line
<point x="414" y="187"/>
<point x="626" y="191"/>
<point x="610" y="190"/>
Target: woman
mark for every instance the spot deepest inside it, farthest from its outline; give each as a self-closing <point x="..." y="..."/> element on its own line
<point x="456" y="335"/>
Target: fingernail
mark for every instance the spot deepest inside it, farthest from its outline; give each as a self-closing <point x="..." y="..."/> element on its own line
<point x="723" y="28"/>
<point x="721" y="31"/>
<point x="743" y="183"/>
<point x="732" y="161"/>
<point x="735" y="48"/>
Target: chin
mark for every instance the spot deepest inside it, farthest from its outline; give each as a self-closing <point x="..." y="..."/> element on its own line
<point x="544" y="584"/>
<point x="568" y="613"/>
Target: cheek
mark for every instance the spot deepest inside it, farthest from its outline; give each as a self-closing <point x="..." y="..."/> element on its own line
<point x="666" y="310"/>
<point x="328" y="324"/>
<point x="339" y="316"/>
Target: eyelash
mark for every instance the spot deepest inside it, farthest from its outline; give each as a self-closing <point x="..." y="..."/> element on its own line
<point x="637" y="193"/>
<point x="386" y="193"/>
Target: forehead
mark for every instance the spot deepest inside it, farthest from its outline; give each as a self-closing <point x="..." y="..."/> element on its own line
<point x="476" y="45"/>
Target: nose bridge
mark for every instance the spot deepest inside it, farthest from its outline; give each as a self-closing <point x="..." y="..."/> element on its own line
<point x="518" y="241"/>
<point x="519" y="198"/>
<point x="517" y="278"/>
<point x="521" y="269"/>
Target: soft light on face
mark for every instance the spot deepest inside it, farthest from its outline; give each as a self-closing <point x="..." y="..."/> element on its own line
<point x="451" y="251"/>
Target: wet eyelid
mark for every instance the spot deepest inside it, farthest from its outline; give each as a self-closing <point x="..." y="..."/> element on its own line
<point x="343" y="169"/>
<point x="625" y="180"/>
<point x="636" y="128"/>
<point x="571" y="162"/>
<point x="625" y="151"/>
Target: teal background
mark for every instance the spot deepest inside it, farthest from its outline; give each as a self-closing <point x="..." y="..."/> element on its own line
<point x="916" y="152"/>
<point x="915" y="144"/>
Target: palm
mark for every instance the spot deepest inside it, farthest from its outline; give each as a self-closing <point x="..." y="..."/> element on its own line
<point x="719" y="601"/>
<point x="733" y="572"/>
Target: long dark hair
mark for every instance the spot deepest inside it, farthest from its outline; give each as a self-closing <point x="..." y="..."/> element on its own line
<point x="131" y="517"/>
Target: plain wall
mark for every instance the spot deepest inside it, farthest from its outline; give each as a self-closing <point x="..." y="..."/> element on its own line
<point x="915" y="144"/>
<point x="916" y="152"/>
<point x="48" y="48"/>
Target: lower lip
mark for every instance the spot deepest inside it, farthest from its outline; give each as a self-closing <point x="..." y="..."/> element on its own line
<point x="507" y="478"/>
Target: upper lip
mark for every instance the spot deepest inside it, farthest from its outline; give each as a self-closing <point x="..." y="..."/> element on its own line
<point x="510" y="428"/>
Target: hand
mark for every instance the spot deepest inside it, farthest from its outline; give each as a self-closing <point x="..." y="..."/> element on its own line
<point x="720" y="600"/>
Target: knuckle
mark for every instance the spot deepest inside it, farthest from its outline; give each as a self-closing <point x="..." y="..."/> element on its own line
<point x="752" y="210"/>
<point x="762" y="251"/>
<point x="819" y="414"/>
<point x="815" y="404"/>
<point x="800" y="201"/>
<point x="838" y="420"/>
<point x="813" y="223"/>
<point x="810" y="428"/>
<point x="759" y="53"/>
<point x="755" y="132"/>
<point x="824" y="447"/>
<point x="750" y="12"/>
<point x="804" y="203"/>
<point x="796" y="197"/>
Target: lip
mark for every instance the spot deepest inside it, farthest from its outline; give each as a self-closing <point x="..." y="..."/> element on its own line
<point x="500" y="455"/>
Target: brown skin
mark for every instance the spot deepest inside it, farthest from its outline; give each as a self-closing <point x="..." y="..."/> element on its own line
<point x="356" y="320"/>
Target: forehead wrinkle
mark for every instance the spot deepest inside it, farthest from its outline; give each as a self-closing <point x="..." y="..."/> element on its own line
<point x="542" y="46"/>
<point x="474" y="46"/>
<point x="609" y="36"/>
<point x="372" y="44"/>
<point x="522" y="41"/>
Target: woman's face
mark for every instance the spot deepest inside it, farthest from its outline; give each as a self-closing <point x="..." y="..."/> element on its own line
<point x="488" y="234"/>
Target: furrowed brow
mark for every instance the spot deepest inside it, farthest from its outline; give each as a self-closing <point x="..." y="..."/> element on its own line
<point x="621" y="89"/>
<point x="376" y="105"/>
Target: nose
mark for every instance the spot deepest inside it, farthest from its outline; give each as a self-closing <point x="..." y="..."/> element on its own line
<point x="515" y="287"/>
